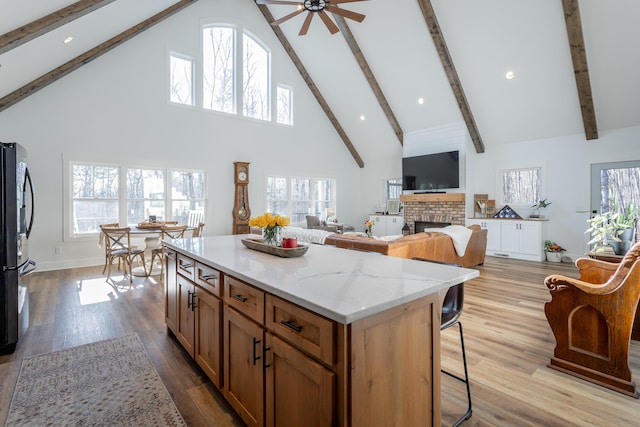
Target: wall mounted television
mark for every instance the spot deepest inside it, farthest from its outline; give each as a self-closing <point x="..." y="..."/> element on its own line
<point x="431" y="172"/>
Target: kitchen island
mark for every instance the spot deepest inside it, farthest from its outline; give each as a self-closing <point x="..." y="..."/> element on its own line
<point x="335" y="337"/>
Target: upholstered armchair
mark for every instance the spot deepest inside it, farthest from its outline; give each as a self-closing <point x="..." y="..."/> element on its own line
<point x="314" y="223"/>
<point x="592" y="320"/>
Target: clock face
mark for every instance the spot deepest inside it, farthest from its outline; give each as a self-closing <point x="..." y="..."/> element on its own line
<point x="242" y="176"/>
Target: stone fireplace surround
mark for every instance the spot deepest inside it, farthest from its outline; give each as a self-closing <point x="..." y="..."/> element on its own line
<point x="435" y="208"/>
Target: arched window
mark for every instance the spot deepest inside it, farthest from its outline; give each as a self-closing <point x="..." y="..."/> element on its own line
<point x="255" y="78"/>
<point x="218" y="63"/>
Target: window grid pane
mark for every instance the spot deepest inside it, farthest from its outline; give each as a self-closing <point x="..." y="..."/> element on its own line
<point x="95" y="193"/>
<point x="521" y="186"/>
<point x="255" y="83"/>
<point x="285" y="103"/>
<point x="181" y="76"/>
<point x="299" y="197"/>
<point x="187" y="195"/>
<point x="145" y="194"/>
<point x="218" y="53"/>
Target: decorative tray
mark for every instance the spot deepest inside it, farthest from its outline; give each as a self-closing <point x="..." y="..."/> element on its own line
<point x="151" y="225"/>
<point x="257" y="245"/>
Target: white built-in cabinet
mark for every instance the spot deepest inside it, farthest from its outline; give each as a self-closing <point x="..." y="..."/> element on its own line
<point x="386" y="225"/>
<point x="513" y="238"/>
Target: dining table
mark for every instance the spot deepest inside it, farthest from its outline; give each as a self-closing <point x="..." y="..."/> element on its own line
<point x="152" y="234"/>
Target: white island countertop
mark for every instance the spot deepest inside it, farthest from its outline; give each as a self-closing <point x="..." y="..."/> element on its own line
<point x="341" y="284"/>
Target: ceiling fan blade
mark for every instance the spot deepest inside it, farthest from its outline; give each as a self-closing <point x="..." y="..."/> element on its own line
<point x="331" y="26"/>
<point x="295" y="3"/>
<point x="289" y="16"/>
<point x="305" y="25"/>
<point x="343" y="1"/>
<point x="346" y="13"/>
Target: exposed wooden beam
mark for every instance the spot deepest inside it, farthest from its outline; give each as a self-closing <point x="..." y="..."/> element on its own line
<point x="368" y="74"/>
<point x="310" y="83"/>
<point x="580" y="68"/>
<point x="41" y="26"/>
<point x="45" y="80"/>
<point x="447" y="62"/>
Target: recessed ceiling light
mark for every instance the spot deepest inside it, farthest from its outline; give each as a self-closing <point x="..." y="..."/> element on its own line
<point x="362" y="117"/>
<point x="510" y="75"/>
<point x="420" y="101"/>
<point x="68" y="39"/>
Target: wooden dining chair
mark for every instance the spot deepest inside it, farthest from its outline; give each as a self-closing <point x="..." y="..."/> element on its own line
<point x="168" y="232"/>
<point x="102" y="243"/>
<point x="118" y="246"/>
<point x="197" y="231"/>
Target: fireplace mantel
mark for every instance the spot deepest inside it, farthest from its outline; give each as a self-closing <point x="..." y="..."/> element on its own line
<point x="433" y="197"/>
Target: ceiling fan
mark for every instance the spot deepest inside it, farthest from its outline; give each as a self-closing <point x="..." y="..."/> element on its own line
<point x="316" y="6"/>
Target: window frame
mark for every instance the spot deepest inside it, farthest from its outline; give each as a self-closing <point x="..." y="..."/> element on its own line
<point x="173" y="54"/>
<point x="291" y="203"/>
<point x="289" y="90"/>
<point x="534" y="198"/>
<point x="69" y="235"/>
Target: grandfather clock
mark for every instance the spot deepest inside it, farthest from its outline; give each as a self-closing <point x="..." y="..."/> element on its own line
<point x="241" y="212"/>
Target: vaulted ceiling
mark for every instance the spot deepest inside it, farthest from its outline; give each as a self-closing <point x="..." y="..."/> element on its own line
<point x="570" y="65"/>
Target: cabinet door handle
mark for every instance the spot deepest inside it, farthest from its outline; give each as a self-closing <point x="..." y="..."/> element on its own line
<point x="240" y="298"/>
<point x="193" y="301"/>
<point x="292" y="325"/>
<point x="264" y="355"/>
<point x="255" y="353"/>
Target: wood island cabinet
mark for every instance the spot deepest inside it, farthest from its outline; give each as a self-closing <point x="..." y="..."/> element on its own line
<point x="279" y="364"/>
<point x="171" y="291"/>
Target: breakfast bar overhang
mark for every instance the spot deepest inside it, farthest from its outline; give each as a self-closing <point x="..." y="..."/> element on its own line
<point x="334" y="337"/>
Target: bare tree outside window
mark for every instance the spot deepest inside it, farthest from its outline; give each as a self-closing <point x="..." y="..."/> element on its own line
<point x="187" y="194"/>
<point x="521" y="186"/>
<point x="145" y="195"/>
<point x="255" y="87"/>
<point x="95" y="196"/>
<point x="218" y="68"/>
<point x="299" y="197"/>
<point x="181" y="77"/>
<point x="285" y="105"/>
<point x="619" y="189"/>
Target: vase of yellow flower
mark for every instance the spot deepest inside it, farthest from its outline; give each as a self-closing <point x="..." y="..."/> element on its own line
<point x="271" y="227"/>
<point x="368" y="225"/>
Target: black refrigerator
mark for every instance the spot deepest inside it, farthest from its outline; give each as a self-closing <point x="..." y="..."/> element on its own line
<point x="16" y="214"/>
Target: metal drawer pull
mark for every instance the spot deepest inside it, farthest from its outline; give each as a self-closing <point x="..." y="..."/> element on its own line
<point x="185" y="266"/>
<point x="292" y="325"/>
<point x="209" y="276"/>
<point x="255" y="353"/>
<point x="240" y="298"/>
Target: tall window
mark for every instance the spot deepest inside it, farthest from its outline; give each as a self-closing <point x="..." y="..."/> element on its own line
<point x="521" y="186"/>
<point x="95" y="196"/>
<point x="145" y="195"/>
<point x="255" y="84"/>
<point x="181" y="77"/>
<point x="285" y="105"/>
<point x="187" y="194"/>
<point x="218" y="56"/>
<point x="615" y="186"/>
<point x="298" y="197"/>
<point x="393" y="188"/>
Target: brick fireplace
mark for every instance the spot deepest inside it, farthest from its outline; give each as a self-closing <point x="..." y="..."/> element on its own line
<point x="433" y="208"/>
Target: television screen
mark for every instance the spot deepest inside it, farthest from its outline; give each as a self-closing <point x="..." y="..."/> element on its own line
<point x="431" y="172"/>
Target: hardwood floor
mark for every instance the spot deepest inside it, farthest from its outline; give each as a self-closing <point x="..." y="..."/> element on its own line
<point x="507" y="338"/>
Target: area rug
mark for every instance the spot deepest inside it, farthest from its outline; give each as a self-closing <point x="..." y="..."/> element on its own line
<point x="106" y="383"/>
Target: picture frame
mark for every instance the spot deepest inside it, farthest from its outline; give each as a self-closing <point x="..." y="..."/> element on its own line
<point x="393" y="206"/>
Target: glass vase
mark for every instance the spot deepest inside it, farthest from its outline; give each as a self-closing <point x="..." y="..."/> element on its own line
<point x="272" y="236"/>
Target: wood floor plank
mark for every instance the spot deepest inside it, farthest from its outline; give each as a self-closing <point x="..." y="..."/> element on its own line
<point x="507" y="338"/>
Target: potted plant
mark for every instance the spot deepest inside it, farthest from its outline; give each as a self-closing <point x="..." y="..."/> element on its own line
<point x="540" y="205"/>
<point x="624" y="221"/>
<point x="553" y="251"/>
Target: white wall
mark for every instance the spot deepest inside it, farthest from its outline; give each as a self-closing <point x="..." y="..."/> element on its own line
<point x="566" y="163"/>
<point x="115" y="109"/>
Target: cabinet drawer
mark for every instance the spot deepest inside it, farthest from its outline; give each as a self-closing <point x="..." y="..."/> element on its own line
<point x="310" y="332"/>
<point x="244" y="298"/>
<point x="208" y="278"/>
<point x="186" y="266"/>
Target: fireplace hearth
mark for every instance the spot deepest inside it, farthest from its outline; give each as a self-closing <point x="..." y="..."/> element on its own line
<point x="419" y="226"/>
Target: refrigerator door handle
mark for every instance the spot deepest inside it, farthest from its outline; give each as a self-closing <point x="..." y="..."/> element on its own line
<point x="33" y="206"/>
<point x="28" y="268"/>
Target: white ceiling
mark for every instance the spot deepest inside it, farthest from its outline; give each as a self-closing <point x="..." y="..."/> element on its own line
<point x="485" y="38"/>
